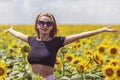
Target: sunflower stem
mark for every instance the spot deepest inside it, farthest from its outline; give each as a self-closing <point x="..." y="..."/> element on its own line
<point x="63" y="51"/>
<point x="63" y="64"/>
<point x="82" y="75"/>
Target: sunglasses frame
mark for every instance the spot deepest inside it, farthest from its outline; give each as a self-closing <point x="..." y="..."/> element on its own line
<point x="47" y="23"/>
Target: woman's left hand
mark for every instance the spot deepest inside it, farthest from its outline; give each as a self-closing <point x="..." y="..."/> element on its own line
<point x="107" y="29"/>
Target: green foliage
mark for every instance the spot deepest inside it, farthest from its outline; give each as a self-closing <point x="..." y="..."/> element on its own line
<point x="19" y="69"/>
<point x="37" y="77"/>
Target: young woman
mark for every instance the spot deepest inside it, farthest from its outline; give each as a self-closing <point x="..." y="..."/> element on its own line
<point x="45" y="45"/>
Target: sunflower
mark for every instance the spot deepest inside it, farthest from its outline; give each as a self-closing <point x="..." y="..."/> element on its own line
<point x="80" y="67"/>
<point x="101" y="48"/>
<point x="76" y="60"/>
<point x="11" y="50"/>
<point x="113" y="50"/>
<point x="69" y="57"/>
<point x="2" y="62"/>
<point x="109" y="72"/>
<point x="106" y="42"/>
<point x="76" y="45"/>
<point x="114" y="62"/>
<point x="24" y="48"/>
<point x="78" y="42"/>
<point x="58" y="63"/>
<point x="88" y="40"/>
<point x="3" y="70"/>
<point x="14" y="45"/>
<point x="19" y="51"/>
<point x="99" y="59"/>
<point x="117" y="75"/>
<point x="83" y="66"/>
<point x="88" y="52"/>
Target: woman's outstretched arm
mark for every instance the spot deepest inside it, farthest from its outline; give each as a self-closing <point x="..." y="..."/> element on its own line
<point x="75" y="37"/>
<point x="17" y="34"/>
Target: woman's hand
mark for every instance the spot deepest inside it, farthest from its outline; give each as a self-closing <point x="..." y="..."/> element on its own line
<point x="17" y="34"/>
<point x="8" y="30"/>
<point x="107" y="29"/>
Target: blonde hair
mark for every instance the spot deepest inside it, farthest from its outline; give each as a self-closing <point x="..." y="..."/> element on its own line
<point x="54" y="31"/>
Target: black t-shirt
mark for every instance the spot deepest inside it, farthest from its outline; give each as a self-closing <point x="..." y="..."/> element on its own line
<point x="44" y="52"/>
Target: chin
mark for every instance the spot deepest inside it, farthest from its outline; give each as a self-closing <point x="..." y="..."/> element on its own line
<point x="45" y="32"/>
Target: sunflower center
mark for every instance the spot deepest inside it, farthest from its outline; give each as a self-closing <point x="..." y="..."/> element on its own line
<point x="25" y="49"/>
<point x="1" y="71"/>
<point x="114" y="63"/>
<point x="75" y="62"/>
<point x="89" y="53"/>
<point x="57" y="62"/>
<point x="113" y="51"/>
<point x="79" y="45"/>
<point x="118" y="72"/>
<point x="101" y="49"/>
<point x="97" y="58"/>
<point x="81" y="67"/>
<point x="109" y="72"/>
<point x="69" y="58"/>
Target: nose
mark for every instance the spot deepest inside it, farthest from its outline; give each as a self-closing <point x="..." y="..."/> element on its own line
<point x="45" y="24"/>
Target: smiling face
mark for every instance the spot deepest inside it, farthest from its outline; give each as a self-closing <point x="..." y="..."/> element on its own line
<point x="45" y="24"/>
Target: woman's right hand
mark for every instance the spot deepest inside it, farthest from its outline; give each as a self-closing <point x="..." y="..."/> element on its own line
<point x="7" y="30"/>
<point x="17" y="34"/>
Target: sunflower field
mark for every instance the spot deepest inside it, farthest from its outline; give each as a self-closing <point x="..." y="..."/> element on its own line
<point x="93" y="58"/>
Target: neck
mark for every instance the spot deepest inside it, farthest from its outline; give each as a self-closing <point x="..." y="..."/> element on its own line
<point x="44" y="38"/>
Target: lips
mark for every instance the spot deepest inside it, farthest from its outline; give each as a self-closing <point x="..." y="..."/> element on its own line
<point x="44" y="29"/>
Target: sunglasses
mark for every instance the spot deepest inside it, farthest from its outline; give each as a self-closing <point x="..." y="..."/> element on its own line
<point x="43" y="23"/>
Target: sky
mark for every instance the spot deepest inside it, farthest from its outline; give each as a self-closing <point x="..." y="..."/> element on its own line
<point x="65" y="11"/>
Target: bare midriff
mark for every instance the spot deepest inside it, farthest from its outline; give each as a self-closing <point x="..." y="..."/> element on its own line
<point x="42" y="70"/>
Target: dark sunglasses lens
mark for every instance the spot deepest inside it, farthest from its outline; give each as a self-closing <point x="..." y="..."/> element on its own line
<point x="49" y="24"/>
<point x="43" y="23"/>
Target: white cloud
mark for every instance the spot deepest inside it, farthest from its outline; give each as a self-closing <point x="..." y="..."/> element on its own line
<point x="67" y="11"/>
